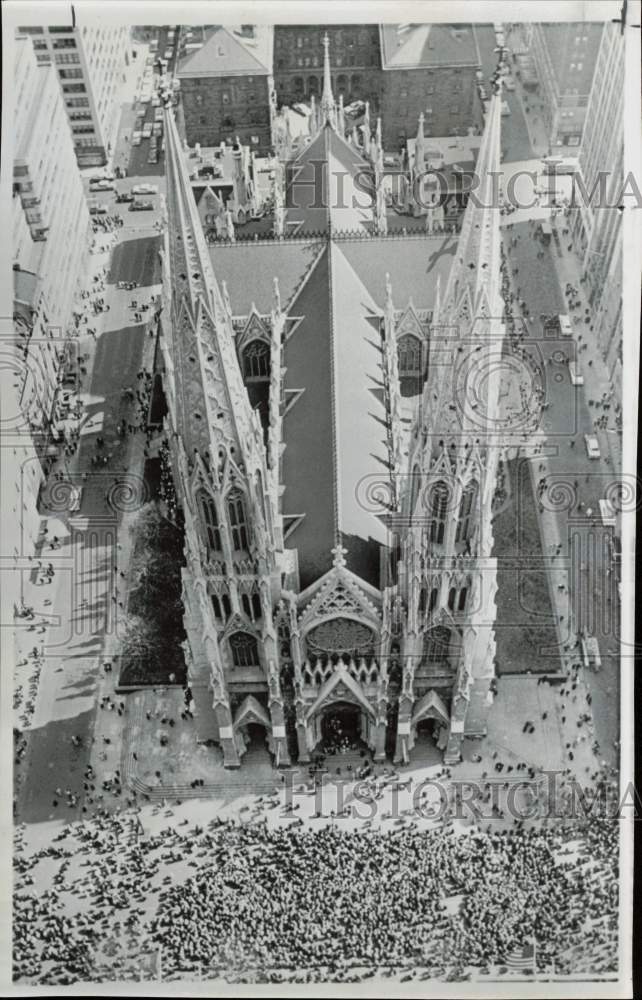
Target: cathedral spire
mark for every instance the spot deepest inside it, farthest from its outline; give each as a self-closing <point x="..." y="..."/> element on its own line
<point x="212" y="410"/>
<point x="476" y="270"/>
<point x="328" y="109"/>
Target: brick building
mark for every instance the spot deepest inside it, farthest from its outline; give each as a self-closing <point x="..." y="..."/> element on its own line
<point x="427" y="69"/>
<point x="226" y="88"/>
<point x="356" y="62"/>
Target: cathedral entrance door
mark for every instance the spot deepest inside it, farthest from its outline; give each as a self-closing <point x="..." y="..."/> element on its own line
<point x="341" y="726"/>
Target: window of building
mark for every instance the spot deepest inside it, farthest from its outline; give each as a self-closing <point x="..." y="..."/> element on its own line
<point x="30" y="31"/>
<point x="436" y="644"/>
<point x="74" y="88"/>
<point x="438" y="506"/>
<point x="409" y="362"/>
<point x="244" y="649"/>
<point x="70" y="74"/>
<point x="466" y="511"/>
<point x="238" y="521"/>
<point x="64" y="43"/>
<point x="256" y="360"/>
<point x="58" y="30"/>
<point x="210" y="518"/>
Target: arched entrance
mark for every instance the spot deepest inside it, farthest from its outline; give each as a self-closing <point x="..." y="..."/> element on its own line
<point x="341" y="727"/>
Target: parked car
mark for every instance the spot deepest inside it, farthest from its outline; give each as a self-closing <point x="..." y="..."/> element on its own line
<point x="98" y="209"/>
<point x="141" y="206"/>
<point x="145" y="189"/>
<point x="169" y="53"/>
<point x="158" y="129"/>
<point x="101" y="185"/>
<point x="509" y="83"/>
<point x="158" y="115"/>
<point x="505" y="108"/>
<point x="592" y="446"/>
<point x="482" y="93"/>
<point x="125" y="196"/>
<point x="152" y="156"/>
<point x="147" y="130"/>
<point x="136" y="141"/>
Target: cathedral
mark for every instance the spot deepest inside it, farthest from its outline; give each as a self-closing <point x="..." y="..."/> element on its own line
<point x="332" y="395"/>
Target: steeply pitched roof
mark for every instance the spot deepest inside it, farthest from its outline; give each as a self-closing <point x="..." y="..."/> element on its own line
<point x="226" y="54"/>
<point x="329" y="186"/>
<point x="334" y="427"/>
<point x="415" y="46"/>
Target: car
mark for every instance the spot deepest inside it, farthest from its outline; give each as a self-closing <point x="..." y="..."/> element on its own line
<point x="145" y="189"/>
<point x="158" y="114"/>
<point x="607" y="513"/>
<point x="136" y="141"/>
<point x="152" y="157"/>
<point x="98" y="209"/>
<point x="576" y="375"/>
<point x="499" y="38"/>
<point x="565" y="325"/>
<point x="125" y="196"/>
<point x="169" y="53"/>
<point x="592" y="446"/>
<point x="101" y="186"/>
<point x="141" y="206"/>
<point x="591" y="652"/>
<point x="158" y="129"/>
<point x="505" y="108"/>
<point x="147" y="130"/>
<point x="482" y="93"/>
<point x="509" y="83"/>
<point x="559" y="165"/>
<point x="155" y="101"/>
<point x="137" y="133"/>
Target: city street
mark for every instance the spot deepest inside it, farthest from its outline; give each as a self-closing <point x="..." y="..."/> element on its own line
<point x="582" y="581"/>
<point x="95" y="543"/>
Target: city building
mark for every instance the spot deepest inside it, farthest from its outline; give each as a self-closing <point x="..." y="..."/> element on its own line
<point x="597" y="225"/>
<point x="564" y="57"/>
<point x="90" y="65"/>
<point x="50" y="221"/>
<point x="356" y="62"/>
<point x="429" y="70"/>
<point x="226" y="88"/>
<point x="339" y="564"/>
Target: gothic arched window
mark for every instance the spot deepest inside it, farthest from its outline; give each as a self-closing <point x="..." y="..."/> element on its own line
<point x="256" y="360"/>
<point x="414" y="488"/>
<point x="244" y="648"/>
<point x="238" y="520"/>
<point x="210" y="517"/>
<point x="436" y="644"/>
<point x="438" y="507"/>
<point x="409" y="362"/>
<point x="466" y="512"/>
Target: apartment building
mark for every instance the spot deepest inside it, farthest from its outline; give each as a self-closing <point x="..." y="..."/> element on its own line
<point x="90" y="65"/>
<point x="564" y="56"/>
<point x="50" y="223"/>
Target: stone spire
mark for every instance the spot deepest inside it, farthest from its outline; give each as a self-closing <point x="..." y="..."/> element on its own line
<point x="328" y="109"/>
<point x="476" y="269"/>
<point x="207" y="377"/>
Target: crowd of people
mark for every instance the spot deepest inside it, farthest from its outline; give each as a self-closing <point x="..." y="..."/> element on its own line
<point x="249" y="903"/>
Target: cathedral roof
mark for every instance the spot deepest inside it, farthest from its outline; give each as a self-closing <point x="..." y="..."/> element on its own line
<point x="329" y="185"/>
<point x="334" y="427"/>
<point x="413" y="262"/>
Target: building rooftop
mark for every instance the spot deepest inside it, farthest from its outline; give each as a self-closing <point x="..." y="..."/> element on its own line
<point x="227" y="52"/>
<point x="416" y="46"/>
